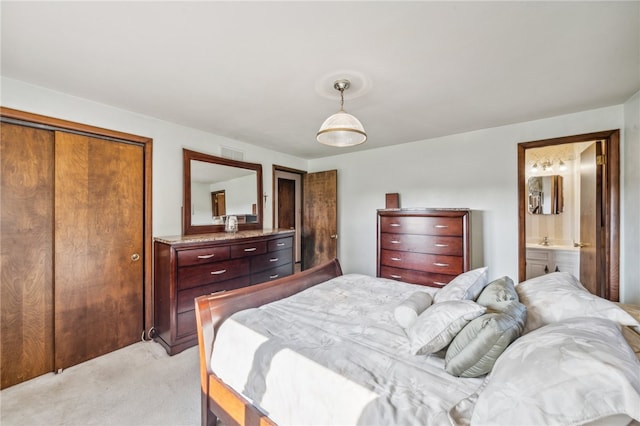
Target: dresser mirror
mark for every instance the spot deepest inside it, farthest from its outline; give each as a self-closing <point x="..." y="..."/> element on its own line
<point x="545" y="195"/>
<point x="215" y="188"/>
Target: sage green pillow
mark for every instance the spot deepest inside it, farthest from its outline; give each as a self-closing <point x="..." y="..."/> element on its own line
<point x="478" y="345"/>
<point x="498" y="294"/>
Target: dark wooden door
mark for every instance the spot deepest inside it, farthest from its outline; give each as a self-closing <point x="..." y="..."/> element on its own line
<point x="98" y="247"/>
<point x="286" y="203"/>
<point x="26" y="243"/>
<point x="219" y="203"/>
<point x="320" y="218"/>
<point x="591" y="233"/>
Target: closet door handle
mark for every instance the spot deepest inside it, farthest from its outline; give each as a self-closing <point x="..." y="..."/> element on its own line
<point x="135" y="257"/>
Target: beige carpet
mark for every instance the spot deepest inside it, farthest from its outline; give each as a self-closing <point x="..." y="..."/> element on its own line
<point x="136" y="385"/>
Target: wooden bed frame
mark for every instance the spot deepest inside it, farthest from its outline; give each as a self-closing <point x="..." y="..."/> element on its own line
<point x="219" y="401"/>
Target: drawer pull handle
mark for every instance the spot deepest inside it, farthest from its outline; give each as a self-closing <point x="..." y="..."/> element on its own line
<point x="280" y="244"/>
<point x="395" y="225"/>
<point x="396" y="259"/>
<point x="221" y="271"/>
<point x="441" y="226"/>
<point x="442" y="245"/>
<point x="273" y="259"/>
<point x="395" y="241"/>
<point x="439" y="283"/>
<point x="395" y="277"/>
<point x="251" y="249"/>
<point x="273" y="276"/>
<point x="206" y="256"/>
<point x="440" y="264"/>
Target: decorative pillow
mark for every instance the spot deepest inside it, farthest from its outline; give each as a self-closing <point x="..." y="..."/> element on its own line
<point x="559" y="295"/>
<point x="466" y="286"/>
<point x="438" y="325"/>
<point x="498" y="294"/>
<point x="407" y="312"/>
<point x="476" y="348"/>
<point x="571" y="372"/>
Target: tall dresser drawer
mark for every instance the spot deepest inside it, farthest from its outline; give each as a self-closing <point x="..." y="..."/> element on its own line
<point x="185" y="297"/>
<point x="193" y="276"/>
<point x="415" y="277"/>
<point x="421" y="225"/>
<point x="451" y="265"/>
<point x="202" y="255"/>
<point x="421" y="243"/>
<point x="248" y="249"/>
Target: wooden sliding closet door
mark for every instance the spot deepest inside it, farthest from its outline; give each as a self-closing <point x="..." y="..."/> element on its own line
<point x="26" y="244"/>
<point x="99" y="213"/>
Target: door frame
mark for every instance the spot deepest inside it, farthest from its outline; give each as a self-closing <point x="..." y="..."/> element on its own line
<point x="610" y="199"/>
<point x="274" y="202"/>
<point x="120" y="137"/>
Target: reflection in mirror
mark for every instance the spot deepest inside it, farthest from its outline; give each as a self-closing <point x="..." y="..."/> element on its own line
<point x="545" y="195"/>
<point x="216" y="188"/>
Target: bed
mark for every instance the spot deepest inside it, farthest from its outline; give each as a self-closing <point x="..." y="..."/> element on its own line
<point x="320" y="347"/>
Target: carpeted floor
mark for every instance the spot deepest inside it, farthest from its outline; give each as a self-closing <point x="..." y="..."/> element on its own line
<point x="136" y="385"/>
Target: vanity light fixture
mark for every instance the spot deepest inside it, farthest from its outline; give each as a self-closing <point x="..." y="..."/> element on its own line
<point x="534" y="168"/>
<point x="341" y="129"/>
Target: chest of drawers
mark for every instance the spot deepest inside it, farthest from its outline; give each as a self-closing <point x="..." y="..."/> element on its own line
<point x="191" y="266"/>
<point x="423" y="246"/>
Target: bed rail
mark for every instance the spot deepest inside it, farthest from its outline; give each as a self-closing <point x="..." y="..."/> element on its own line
<point x="219" y="400"/>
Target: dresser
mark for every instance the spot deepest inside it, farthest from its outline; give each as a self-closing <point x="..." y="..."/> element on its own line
<point x="189" y="266"/>
<point x="423" y="246"/>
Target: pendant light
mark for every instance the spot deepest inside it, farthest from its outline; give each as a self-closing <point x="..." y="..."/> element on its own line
<point x="341" y="129"/>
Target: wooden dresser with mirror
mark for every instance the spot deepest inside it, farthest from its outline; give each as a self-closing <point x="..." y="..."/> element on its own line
<point x="205" y="259"/>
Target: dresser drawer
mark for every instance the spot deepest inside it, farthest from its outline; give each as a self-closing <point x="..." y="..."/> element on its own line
<point x="415" y="277"/>
<point x="280" y="244"/>
<point x="248" y="249"/>
<point x="271" y="260"/>
<point x="448" y="265"/>
<point x="421" y="225"/>
<point x="193" y="276"/>
<point x="202" y="255"/>
<point x="185" y="297"/>
<point x="422" y="243"/>
<point x="272" y="274"/>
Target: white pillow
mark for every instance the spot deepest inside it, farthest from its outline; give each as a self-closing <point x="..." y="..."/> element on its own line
<point x="572" y="372"/>
<point x="407" y="312"/>
<point x="559" y="295"/>
<point x="438" y="325"/>
<point x="466" y="286"/>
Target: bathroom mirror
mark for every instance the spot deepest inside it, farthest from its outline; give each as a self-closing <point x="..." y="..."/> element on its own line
<point x="545" y="195"/>
<point x="215" y="188"/>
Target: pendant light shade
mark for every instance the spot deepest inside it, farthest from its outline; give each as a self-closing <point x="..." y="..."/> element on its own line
<point x="341" y="129"/>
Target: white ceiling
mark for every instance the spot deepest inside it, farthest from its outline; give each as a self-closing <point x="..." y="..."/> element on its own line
<point x="262" y="72"/>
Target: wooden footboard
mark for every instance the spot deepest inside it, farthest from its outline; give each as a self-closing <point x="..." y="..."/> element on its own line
<point x="218" y="399"/>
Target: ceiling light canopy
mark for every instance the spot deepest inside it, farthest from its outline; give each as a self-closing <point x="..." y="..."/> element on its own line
<point x="341" y="129"/>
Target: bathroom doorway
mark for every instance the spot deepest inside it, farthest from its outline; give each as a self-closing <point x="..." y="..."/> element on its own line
<point x="595" y="218"/>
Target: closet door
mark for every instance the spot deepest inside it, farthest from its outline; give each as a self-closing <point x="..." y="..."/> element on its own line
<point x="98" y="247"/>
<point x="26" y="244"/>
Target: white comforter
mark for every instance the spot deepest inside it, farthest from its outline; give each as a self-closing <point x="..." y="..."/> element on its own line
<point x="352" y="365"/>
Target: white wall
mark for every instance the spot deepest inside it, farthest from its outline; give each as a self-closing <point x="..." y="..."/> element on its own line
<point x="168" y="141"/>
<point x="630" y="203"/>
<point x="477" y="170"/>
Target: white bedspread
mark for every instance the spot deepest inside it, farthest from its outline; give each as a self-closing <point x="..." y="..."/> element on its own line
<point x="349" y="364"/>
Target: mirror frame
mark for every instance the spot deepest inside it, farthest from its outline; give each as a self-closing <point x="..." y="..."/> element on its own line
<point x="187" y="227"/>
